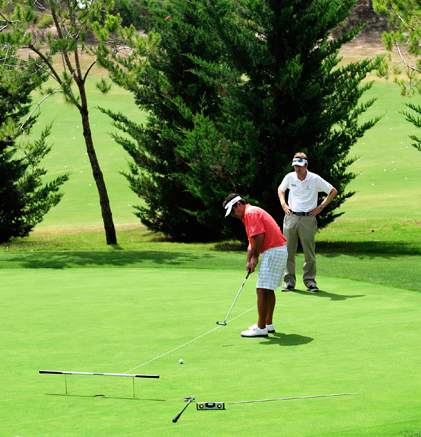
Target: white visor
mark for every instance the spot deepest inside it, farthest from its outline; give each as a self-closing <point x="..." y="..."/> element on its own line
<point x="231" y="203"/>
<point x="299" y="161"/>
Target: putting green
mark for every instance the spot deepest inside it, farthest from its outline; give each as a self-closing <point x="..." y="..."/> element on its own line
<point x="353" y="337"/>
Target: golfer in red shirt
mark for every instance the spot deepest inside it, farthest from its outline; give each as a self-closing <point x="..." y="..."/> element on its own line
<point x="265" y="239"/>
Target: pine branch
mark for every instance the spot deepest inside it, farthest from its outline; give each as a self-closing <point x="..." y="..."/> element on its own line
<point x="47" y="62"/>
<point x="36" y="107"/>
<point x="60" y="33"/>
<point x="403" y="59"/>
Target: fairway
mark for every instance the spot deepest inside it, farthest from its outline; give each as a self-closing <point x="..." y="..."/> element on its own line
<point x="387" y="186"/>
<point x="352" y="337"/>
<point x="387" y="167"/>
<point x="80" y="205"/>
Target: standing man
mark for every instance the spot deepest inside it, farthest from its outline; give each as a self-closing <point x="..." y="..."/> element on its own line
<point x="300" y="218"/>
<point x="265" y="239"/>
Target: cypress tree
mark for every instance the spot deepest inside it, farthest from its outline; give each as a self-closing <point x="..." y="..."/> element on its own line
<point x="234" y="89"/>
<point x="293" y="95"/>
<point x="404" y="36"/>
<point x="24" y="197"/>
<point x="165" y="86"/>
<point x="82" y="28"/>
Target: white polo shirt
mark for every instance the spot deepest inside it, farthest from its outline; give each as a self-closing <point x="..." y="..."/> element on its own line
<point x="303" y="195"/>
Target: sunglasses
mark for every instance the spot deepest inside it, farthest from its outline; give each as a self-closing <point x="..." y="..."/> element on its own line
<point x="303" y="160"/>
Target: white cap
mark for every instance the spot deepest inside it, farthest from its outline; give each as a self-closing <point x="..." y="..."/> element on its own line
<point x="231" y="203"/>
<point x="299" y="161"/>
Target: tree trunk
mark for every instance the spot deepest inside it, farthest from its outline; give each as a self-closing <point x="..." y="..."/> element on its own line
<point x="107" y="216"/>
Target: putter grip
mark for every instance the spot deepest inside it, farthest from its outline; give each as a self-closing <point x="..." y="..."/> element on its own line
<point x="176" y="417"/>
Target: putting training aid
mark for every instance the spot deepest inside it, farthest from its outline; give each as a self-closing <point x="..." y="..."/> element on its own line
<point x="189" y="400"/>
<point x="65" y="373"/>
<point x="210" y="406"/>
<point x="235" y="300"/>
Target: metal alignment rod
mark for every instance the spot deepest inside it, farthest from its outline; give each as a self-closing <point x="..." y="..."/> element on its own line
<point x="288" y="399"/>
<point x="65" y="372"/>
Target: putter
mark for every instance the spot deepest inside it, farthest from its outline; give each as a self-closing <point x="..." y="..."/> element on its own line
<point x="224" y="323"/>
<point x="189" y="400"/>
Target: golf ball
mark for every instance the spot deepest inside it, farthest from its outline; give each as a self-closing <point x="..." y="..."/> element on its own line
<point x="181" y="361"/>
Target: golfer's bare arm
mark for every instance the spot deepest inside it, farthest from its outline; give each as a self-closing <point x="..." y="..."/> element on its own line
<point x="253" y="252"/>
<point x="326" y="201"/>
<point x="284" y="204"/>
<point x="315" y="211"/>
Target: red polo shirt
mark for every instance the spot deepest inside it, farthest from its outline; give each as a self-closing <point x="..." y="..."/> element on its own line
<point x="258" y="221"/>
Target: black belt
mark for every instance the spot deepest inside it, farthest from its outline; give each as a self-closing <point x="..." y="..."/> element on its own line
<point x="300" y="213"/>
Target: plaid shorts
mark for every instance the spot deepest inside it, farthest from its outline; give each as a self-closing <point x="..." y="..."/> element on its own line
<point x="272" y="265"/>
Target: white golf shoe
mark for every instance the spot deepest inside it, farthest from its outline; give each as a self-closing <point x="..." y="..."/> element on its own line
<point x="255" y="331"/>
<point x="270" y="328"/>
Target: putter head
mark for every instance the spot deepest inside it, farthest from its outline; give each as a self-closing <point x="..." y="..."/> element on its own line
<point x="221" y="323"/>
<point x="189" y="399"/>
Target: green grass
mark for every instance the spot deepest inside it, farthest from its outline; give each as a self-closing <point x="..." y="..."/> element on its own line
<point x="345" y="339"/>
<point x="69" y="302"/>
<point x="388" y="183"/>
<point x="387" y="187"/>
<point x="80" y="205"/>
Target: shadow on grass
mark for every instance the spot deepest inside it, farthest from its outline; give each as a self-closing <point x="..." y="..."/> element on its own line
<point x="222" y="255"/>
<point x="368" y="249"/>
<point x="287" y="339"/>
<point x="331" y="296"/>
<point x="362" y="248"/>
<point x="61" y="260"/>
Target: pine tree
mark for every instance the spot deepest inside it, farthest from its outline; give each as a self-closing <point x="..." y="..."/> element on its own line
<point x="404" y="37"/>
<point x="24" y="197"/>
<point x="165" y="87"/>
<point x="234" y="89"/>
<point x="135" y="12"/>
<point x="82" y="28"/>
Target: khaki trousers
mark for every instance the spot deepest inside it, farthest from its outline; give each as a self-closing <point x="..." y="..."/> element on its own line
<point x="303" y="228"/>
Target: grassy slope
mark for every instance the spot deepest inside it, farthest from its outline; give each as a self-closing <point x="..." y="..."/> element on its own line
<point x="80" y="206"/>
<point x="381" y="226"/>
<point x="387" y="186"/>
<point x="381" y="221"/>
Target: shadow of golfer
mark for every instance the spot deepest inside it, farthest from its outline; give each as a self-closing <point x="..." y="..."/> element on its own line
<point x="287" y="339"/>
<point x="331" y="296"/>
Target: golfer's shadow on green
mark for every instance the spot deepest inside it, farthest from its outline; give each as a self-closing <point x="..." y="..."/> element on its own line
<point x="287" y="339"/>
<point x="331" y="296"/>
